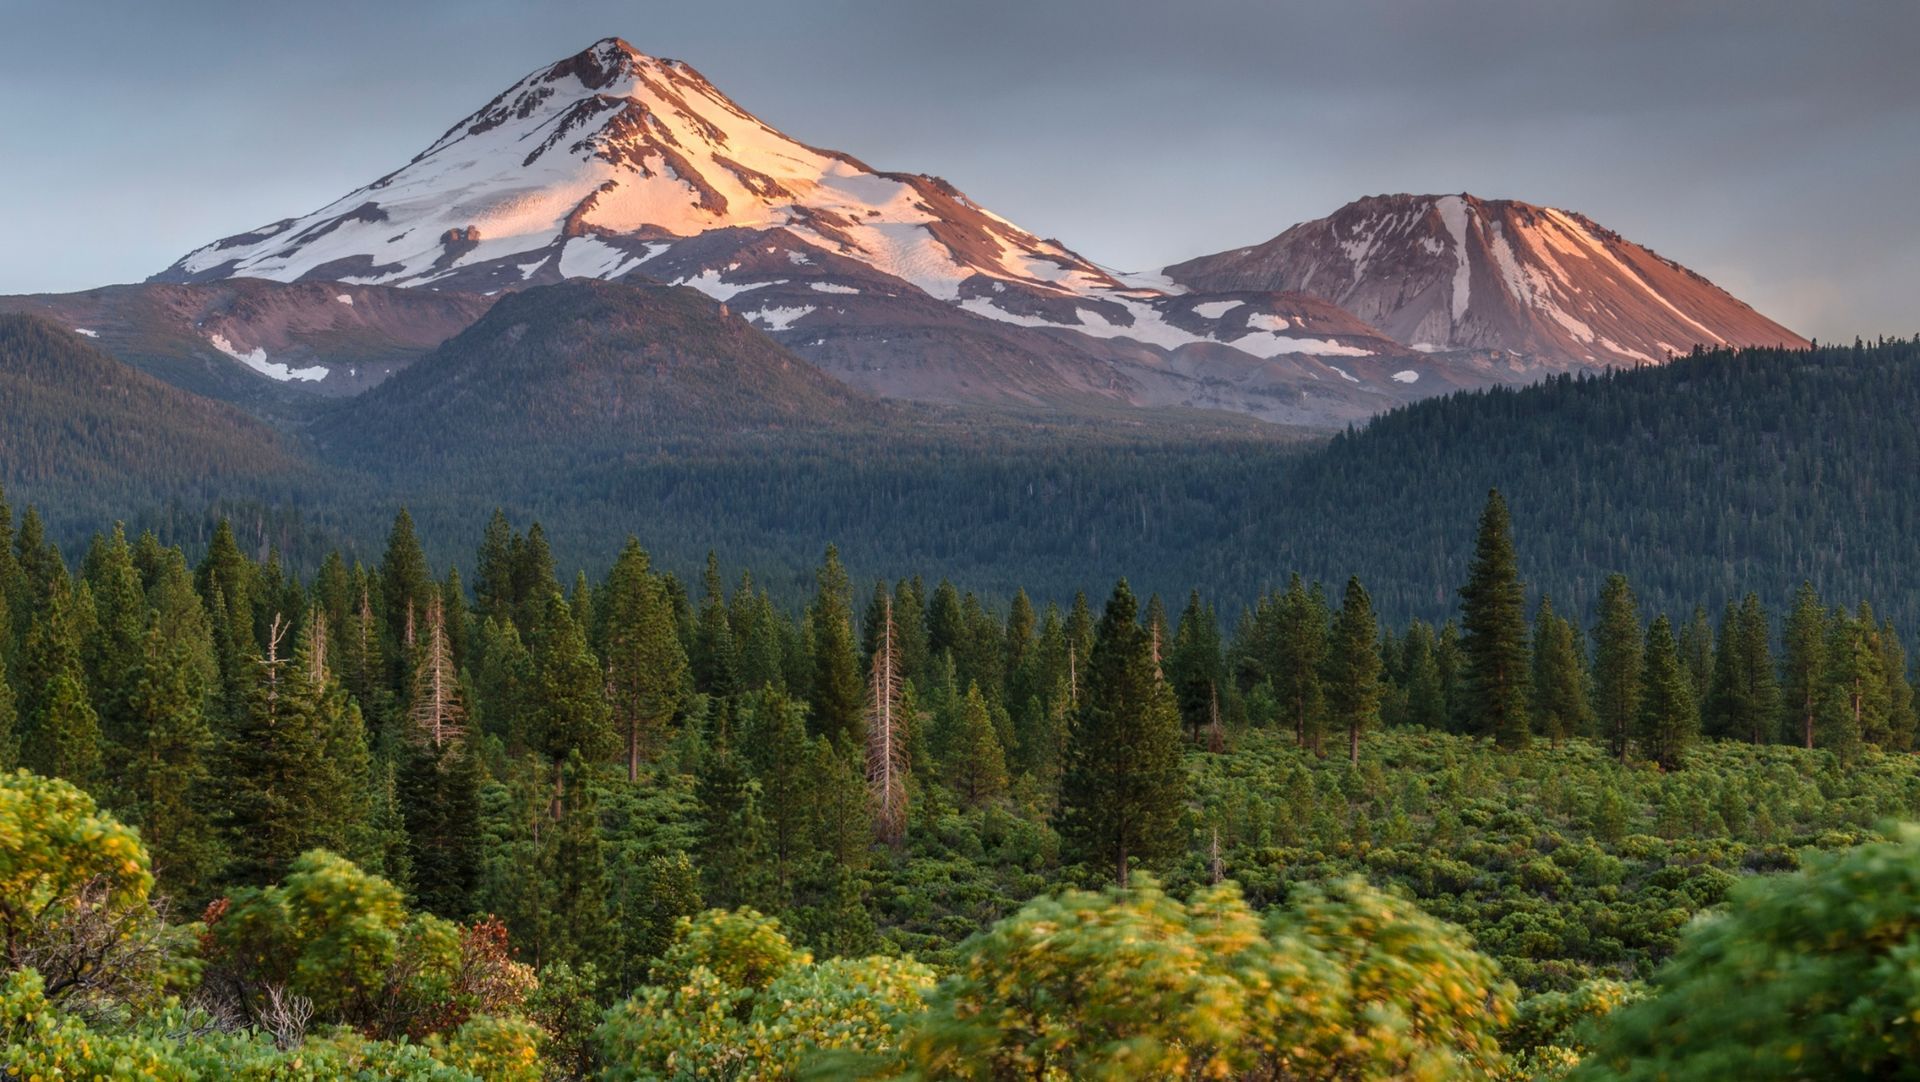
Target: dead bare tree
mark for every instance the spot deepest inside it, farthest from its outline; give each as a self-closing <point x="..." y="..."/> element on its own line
<point x="317" y="651"/>
<point x="271" y="662"/>
<point x="436" y="713"/>
<point x="886" y="737"/>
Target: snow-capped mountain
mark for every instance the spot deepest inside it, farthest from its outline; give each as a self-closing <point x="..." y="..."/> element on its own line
<point x="612" y="163"/>
<point x="1457" y="272"/>
<point x="587" y="168"/>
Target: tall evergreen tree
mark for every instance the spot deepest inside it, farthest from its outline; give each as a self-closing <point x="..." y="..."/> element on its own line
<point x="1743" y="701"/>
<point x="61" y="735"/>
<point x="1493" y="622"/>
<point x="1668" y="717"/>
<point x="977" y="769"/>
<point x="1123" y="792"/>
<point x="1619" y="656"/>
<point x="169" y="774"/>
<point x="406" y="583"/>
<point x="567" y="714"/>
<point x="1353" y="667"/>
<point x="729" y="831"/>
<point x="715" y="657"/>
<point x="494" y="569"/>
<point x="1297" y="669"/>
<point x="1426" y="699"/>
<point x="278" y="782"/>
<point x="646" y="666"/>
<point x="1901" y="722"/>
<point x="1560" y="707"/>
<point x="1195" y="667"/>
<point x="1804" y="668"/>
<point x="1694" y="641"/>
<point x="1853" y="700"/>
<point x="837" y="692"/>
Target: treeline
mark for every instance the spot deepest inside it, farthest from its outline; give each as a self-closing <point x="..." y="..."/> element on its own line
<point x="480" y="773"/>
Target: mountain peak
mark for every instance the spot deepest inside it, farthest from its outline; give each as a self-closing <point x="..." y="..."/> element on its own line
<point x="1449" y="272"/>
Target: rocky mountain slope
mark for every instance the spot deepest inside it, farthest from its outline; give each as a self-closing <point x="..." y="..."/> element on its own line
<point x="1457" y="272"/>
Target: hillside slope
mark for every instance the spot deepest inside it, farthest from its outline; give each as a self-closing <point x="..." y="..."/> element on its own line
<point x="84" y="434"/>
<point x="587" y="367"/>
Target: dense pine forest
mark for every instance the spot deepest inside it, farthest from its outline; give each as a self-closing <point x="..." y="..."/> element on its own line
<point x="1721" y="474"/>
<point x="386" y="819"/>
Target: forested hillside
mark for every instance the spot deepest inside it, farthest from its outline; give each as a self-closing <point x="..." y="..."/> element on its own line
<point x="107" y="438"/>
<point x="1701" y="480"/>
<point x="391" y="819"/>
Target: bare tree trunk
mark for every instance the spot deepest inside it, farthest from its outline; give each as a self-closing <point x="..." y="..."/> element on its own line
<point x="886" y="738"/>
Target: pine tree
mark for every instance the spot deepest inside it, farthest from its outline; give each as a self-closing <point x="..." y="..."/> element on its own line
<point x="119" y="626"/>
<point x="437" y="715"/>
<point x="534" y="581"/>
<point x="887" y="757"/>
<point x="1123" y="792"/>
<point x="1194" y="666"/>
<point x="62" y="732"/>
<point x="567" y="714"/>
<point x="837" y="692"/>
<point x="1353" y="667"/>
<point x="781" y="755"/>
<point x="277" y="781"/>
<point x="494" y="568"/>
<point x="977" y="769"/>
<point x="1668" y="719"/>
<point x="169" y="776"/>
<point x="574" y="864"/>
<point x="504" y="686"/>
<point x="1804" y="675"/>
<point x="946" y="623"/>
<point x="1493" y="623"/>
<point x="729" y="830"/>
<point x="1297" y="668"/>
<point x="646" y="666"/>
<point x="66" y="735"/>
<point x="1619" y="656"/>
<point x="1695" y="645"/>
<point x="715" y="657"/>
<point x="1560" y="707"/>
<point x="1016" y="662"/>
<point x="1743" y="700"/>
<point x="1426" y="693"/>
<point x="1850" y="710"/>
<point x="1900" y="721"/>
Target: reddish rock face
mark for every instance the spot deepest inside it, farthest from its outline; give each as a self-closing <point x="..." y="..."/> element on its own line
<point x="1457" y="272"/>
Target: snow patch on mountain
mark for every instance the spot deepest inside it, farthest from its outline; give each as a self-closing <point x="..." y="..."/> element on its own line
<point x="256" y="359"/>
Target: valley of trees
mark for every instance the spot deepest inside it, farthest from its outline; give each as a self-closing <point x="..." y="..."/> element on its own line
<point x="390" y="819"/>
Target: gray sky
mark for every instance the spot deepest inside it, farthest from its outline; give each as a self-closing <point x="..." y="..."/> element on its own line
<point x="1772" y="146"/>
